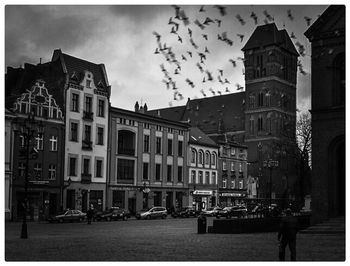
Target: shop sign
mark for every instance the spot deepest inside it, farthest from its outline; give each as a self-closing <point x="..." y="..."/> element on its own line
<point x="39" y="182"/>
<point x="226" y="194"/>
<point x="203" y="192"/>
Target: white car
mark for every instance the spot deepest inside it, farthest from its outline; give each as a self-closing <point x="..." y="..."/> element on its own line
<point x="154" y="212"/>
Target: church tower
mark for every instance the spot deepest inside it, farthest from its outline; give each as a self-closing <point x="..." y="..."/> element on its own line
<point x="270" y="60"/>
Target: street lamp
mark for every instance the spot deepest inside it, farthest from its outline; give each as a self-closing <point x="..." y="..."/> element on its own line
<point x="28" y="128"/>
<point x="270" y="164"/>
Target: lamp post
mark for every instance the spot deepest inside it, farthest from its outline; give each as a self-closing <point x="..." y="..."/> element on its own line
<point x="28" y="128"/>
<point x="145" y="190"/>
<point x="270" y="164"/>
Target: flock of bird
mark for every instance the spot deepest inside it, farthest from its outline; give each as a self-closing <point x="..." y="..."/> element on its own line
<point x="195" y="51"/>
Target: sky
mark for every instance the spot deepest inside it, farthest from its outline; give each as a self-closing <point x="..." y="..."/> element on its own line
<point x="123" y="38"/>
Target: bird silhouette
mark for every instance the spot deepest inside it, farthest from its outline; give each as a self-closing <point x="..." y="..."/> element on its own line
<point x="190" y="82"/>
<point x="156" y="51"/>
<point x="167" y="83"/>
<point x="206" y="50"/>
<point x="233" y="62"/>
<point x="203" y="79"/>
<point x="189" y="32"/>
<point x="202" y="9"/>
<point x="200" y="67"/>
<point x="210" y="77"/>
<point x="226" y="81"/>
<point x="205" y="36"/>
<point x="222" y="9"/>
<point x="292" y="35"/>
<point x="177" y="11"/>
<point x="221" y="72"/>
<point x="179" y="38"/>
<point x="189" y="53"/>
<point x="157" y="35"/>
<point x="183" y="57"/>
<point x="268" y="16"/>
<point x="241" y="36"/>
<point x="218" y="21"/>
<point x="193" y="43"/>
<point x="239" y="87"/>
<point x="202" y="56"/>
<point x="170" y="104"/>
<point x="220" y="80"/>
<point x="240" y="19"/>
<point x="208" y="21"/>
<point x="212" y="91"/>
<point x="200" y="25"/>
<point x="184" y="17"/>
<point x="227" y="90"/>
<point x="219" y="92"/>
<point x="255" y="17"/>
<point x="308" y="20"/>
<point x="290" y="16"/>
<point x="202" y="91"/>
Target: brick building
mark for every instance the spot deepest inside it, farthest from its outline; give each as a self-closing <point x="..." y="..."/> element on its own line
<point x="327" y="36"/>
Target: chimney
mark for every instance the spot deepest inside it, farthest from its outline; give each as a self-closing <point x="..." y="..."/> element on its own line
<point x="136" y="107"/>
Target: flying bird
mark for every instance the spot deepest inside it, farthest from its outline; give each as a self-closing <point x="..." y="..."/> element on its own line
<point x="290" y="16"/>
<point x="292" y="35"/>
<point x="183" y="57"/>
<point x="212" y="91"/>
<point x="240" y="19"/>
<point x="190" y="32"/>
<point x="179" y="38"/>
<point x="227" y="90"/>
<point x="226" y="81"/>
<point x="206" y="50"/>
<point x="219" y="92"/>
<point x="255" y="17"/>
<point x="202" y="91"/>
<point x="308" y="20"/>
<point x="222" y="9"/>
<point x="221" y="72"/>
<point x="233" y="62"/>
<point x="189" y="53"/>
<point x="218" y="21"/>
<point x="199" y="24"/>
<point x="184" y="18"/>
<point x="157" y="35"/>
<point x="200" y="67"/>
<point x="202" y="56"/>
<point x="208" y="21"/>
<point x="268" y="16"/>
<point x="190" y="82"/>
<point x="239" y="87"/>
<point x="205" y="36"/>
<point x="241" y="36"/>
<point x="202" y="9"/>
<point x="177" y="11"/>
<point x="193" y="44"/>
<point x="210" y="77"/>
<point x="156" y="51"/>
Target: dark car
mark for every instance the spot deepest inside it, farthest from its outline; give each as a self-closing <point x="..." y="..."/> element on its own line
<point x="154" y="212"/>
<point x="69" y="216"/>
<point x="234" y="211"/>
<point x="120" y="213"/>
<point x="104" y="215"/>
<point x="185" y="212"/>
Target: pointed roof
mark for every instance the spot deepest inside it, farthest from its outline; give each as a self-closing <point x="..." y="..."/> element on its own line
<point x="269" y="35"/>
<point x="198" y="137"/>
<point x="331" y="21"/>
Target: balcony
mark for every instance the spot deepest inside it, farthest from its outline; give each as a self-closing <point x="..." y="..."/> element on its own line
<point x="85" y="178"/>
<point x="87" y="145"/>
<point x="88" y="116"/>
<point x="126" y="151"/>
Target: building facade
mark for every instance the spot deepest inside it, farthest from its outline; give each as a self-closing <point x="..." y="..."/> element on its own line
<point x="46" y="164"/>
<point x="147" y="161"/>
<point x="202" y="170"/>
<point x="327" y="37"/>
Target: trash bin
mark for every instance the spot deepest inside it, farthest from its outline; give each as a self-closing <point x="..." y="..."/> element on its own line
<point x="202" y="224"/>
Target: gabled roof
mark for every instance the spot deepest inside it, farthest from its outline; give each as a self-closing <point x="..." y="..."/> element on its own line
<point x="332" y="19"/>
<point x="223" y="113"/>
<point x="269" y="35"/>
<point x="76" y="67"/>
<point x="198" y="137"/>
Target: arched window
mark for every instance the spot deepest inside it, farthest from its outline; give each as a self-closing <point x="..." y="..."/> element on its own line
<point x="338" y="93"/>
<point x="213" y="159"/>
<point x="251" y="125"/>
<point x="261" y="99"/>
<point x="251" y="101"/>
<point x="268" y="123"/>
<point x="193" y="156"/>
<point x="200" y="157"/>
<point x="268" y="99"/>
<point x="207" y="158"/>
<point x="260" y="123"/>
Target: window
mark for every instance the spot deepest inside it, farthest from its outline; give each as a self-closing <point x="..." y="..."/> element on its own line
<point x="224" y="165"/>
<point x="232" y="166"/>
<point x="224" y="183"/>
<point x="88" y="104"/>
<point x="101" y="108"/>
<point x="100" y="135"/>
<point x="213" y="178"/>
<point x="37" y="170"/>
<point x="261" y="99"/>
<point x="200" y="175"/>
<point x="207" y="178"/>
<point x="125" y="171"/>
<point x="207" y="158"/>
<point x="72" y="166"/>
<point x="87" y="136"/>
<point x="53" y="142"/>
<point x="75" y="102"/>
<point x="39" y="142"/>
<point x="193" y="177"/>
<point x="179" y="174"/>
<point x="98" y="168"/>
<point x="268" y="124"/>
<point x="145" y="171"/>
<point x="233" y="151"/>
<point x="21" y="169"/>
<point x="170" y="147"/>
<point x="240" y="168"/>
<point x="241" y="184"/>
<point x="159" y="145"/>
<point x="169" y="173"/>
<point x="268" y="99"/>
<point x="52" y="171"/>
<point x="193" y="156"/>
<point x="251" y="101"/>
<point x="145" y="143"/>
<point x="260" y="123"/>
<point x="157" y="172"/>
<point x="200" y="158"/>
<point x="251" y="125"/>
<point x="86" y="166"/>
<point x="88" y="83"/>
<point x="233" y="184"/>
<point x="180" y="147"/>
<point x="213" y="159"/>
<point x="22" y="141"/>
<point x="74" y="131"/>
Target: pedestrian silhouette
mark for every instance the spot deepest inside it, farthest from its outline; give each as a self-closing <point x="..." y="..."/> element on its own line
<point x="90" y="214"/>
<point x="287" y="235"/>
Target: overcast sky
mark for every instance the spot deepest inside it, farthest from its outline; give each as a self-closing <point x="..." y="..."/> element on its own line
<point x="121" y="37"/>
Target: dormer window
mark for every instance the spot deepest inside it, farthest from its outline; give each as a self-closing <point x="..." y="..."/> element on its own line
<point x="88" y="83"/>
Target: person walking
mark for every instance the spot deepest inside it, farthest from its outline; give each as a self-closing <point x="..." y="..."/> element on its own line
<point x="90" y="214"/>
<point x="287" y="235"/>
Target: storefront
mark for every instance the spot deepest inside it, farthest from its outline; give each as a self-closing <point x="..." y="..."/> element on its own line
<point x="203" y="199"/>
<point x="231" y="197"/>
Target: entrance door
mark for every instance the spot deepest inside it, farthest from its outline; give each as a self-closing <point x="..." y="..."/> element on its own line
<point x="84" y="204"/>
<point x="132" y="205"/>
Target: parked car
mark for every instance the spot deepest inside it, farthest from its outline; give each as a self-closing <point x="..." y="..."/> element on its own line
<point x="69" y="216"/>
<point x="185" y="212"/>
<point x="212" y="211"/>
<point x="113" y="213"/>
<point x="154" y="212"/>
<point x="234" y="211"/>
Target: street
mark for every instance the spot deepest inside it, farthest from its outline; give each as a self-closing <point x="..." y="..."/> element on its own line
<point x="156" y="240"/>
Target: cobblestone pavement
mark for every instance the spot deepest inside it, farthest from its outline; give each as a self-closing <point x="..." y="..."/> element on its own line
<point x="156" y="240"/>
